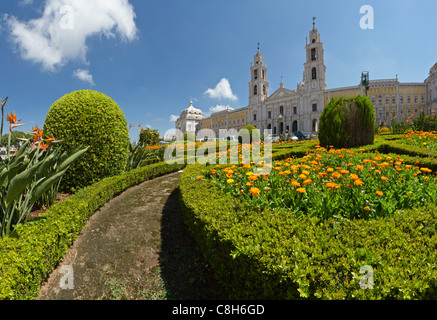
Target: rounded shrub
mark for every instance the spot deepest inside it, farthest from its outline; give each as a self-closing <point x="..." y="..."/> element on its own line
<point x="149" y="137"/>
<point x="347" y="123"/>
<point x="89" y="118"/>
<point x="254" y="134"/>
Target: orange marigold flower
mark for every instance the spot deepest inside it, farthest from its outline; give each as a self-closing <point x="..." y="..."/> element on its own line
<point x="229" y="175"/>
<point x="213" y="182"/>
<point x="301" y="190"/>
<point x="295" y="183"/>
<point x="308" y="181"/>
<point x="358" y="183"/>
<point x="367" y="208"/>
<point x="302" y="176"/>
<point x="199" y="177"/>
<point x="384" y="178"/>
<point x="254" y="191"/>
<point x="379" y="193"/>
<point x="354" y="177"/>
<point x="359" y="167"/>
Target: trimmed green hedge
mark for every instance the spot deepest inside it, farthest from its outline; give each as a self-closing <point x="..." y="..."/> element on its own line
<point x="29" y="257"/>
<point x="272" y="255"/>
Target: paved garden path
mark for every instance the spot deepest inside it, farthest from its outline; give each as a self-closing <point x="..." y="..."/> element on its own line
<point x="136" y="247"/>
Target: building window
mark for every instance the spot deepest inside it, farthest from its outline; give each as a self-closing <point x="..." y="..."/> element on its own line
<point x="294" y="110"/>
<point x="264" y="74"/>
<point x="264" y="90"/>
<point x="416" y="99"/>
<point x="387" y="99"/>
<point x="255" y="74"/>
<point x="409" y="112"/>
<point x="313" y="54"/>
<point x="408" y="99"/>
<point x="254" y="117"/>
<point x="402" y="100"/>
<point x="379" y="100"/>
<point x="281" y="110"/>
<point x="393" y="100"/>
<point x="387" y="114"/>
<point x="255" y="90"/>
<point x="422" y="98"/>
<point x="314" y="73"/>
<point x="269" y="115"/>
<point x="314" y="107"/>
<point x="373" y="100"/>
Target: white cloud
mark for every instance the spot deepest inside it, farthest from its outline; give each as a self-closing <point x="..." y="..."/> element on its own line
<point x="173" y="118"/>
<point x="222" y="91"/>
<point x="46" y="41"/>
<point x="84" y="75"/>
<point x="215" y="109"/>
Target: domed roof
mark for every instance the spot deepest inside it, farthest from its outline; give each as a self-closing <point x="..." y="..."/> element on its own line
<point x="193" y="111"/>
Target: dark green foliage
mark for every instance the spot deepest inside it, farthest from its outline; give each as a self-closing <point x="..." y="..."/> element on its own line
<point x="14" y="138"/>
<point x="254" y="134"/>
<point x="36" y="249"/>
<point x="274" y="255"/>
<point x="425" y="123"/>
<point x="89" y="118"/>
<point x="347" y="123"/>
<point x="149" y="137"/>
<point x="189" y="137"/>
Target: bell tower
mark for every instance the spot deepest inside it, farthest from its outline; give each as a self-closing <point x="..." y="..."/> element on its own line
<point x="258" y="86"/>
<point x="314" y="75"/>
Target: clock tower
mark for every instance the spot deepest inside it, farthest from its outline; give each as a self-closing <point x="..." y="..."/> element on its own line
<point x="314" y="76"/>
<point x="258" y="86"/>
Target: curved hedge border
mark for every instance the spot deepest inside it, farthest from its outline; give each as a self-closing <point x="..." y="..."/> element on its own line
<point x="29" y="257"/>
<point x="269" y="255"/>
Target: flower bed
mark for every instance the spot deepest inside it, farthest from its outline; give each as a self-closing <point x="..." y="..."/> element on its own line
<point x="338" y="183"/>
<point x="264" y="253"/>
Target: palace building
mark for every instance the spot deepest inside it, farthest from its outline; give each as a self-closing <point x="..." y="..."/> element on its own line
<point x="300" y="109"/>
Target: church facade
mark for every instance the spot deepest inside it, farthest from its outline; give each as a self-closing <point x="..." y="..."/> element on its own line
<point x="290" y="110"/>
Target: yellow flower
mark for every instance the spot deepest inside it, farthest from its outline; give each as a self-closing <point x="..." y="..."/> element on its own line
<point x="367" y="208"/>
<point x="249" y="184"/>
<point x="229" y="175"/>
<point x="301" y="190"/>
<point x="230" y="181"/>
<point x="305" y="172"/>
<point x="302" y="176"/>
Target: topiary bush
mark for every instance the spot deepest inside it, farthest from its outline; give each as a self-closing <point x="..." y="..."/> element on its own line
<point x="90" y="118"/>
<point x="347" y="123"/>
<point x="254" y="134"/>
<point x="149" y="137"/>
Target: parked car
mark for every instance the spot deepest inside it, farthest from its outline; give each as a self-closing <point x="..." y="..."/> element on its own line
<point x="300" y="135"/>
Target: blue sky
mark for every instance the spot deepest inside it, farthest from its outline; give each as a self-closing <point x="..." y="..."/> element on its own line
<point x="152" y="57"/>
